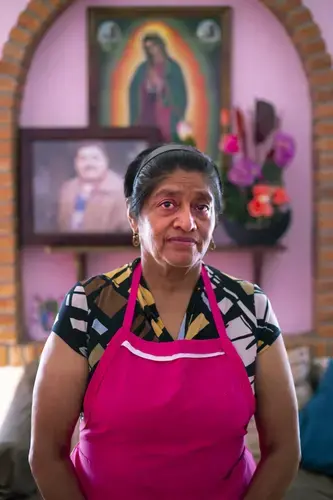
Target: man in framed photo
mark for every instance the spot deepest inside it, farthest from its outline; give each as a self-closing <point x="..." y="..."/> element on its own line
<point x="92" y="201"/>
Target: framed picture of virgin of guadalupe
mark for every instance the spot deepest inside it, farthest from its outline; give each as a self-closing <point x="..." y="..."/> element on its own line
<point x="161" y="67"/>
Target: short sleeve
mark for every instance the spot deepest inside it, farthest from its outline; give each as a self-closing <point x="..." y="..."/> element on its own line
<point x="71" y="322"/>
<point x="268" y="328"/>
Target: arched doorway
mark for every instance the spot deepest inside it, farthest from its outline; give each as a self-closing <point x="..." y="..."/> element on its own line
<point x="17" y="55"/>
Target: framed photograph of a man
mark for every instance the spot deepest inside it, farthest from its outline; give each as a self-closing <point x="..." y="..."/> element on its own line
<point x="161" y="67"/>
<point x="72" y="184"/>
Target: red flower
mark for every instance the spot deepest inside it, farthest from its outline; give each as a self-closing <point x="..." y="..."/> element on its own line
<point x="262" y="190"/>
<point x="280" y="197"/>
<point x="260" y="207"/>
<point x="224" y="117"/>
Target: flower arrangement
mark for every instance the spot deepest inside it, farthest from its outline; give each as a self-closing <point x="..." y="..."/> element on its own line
<point x="255" y="196"/>
<point x="254" y="190"/>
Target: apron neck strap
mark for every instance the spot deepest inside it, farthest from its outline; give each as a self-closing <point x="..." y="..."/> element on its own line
<point x="129" y="314"/>
<point x="217" y="316"/>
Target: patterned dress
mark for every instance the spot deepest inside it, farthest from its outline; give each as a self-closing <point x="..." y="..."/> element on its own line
<point x="93" y="311"/>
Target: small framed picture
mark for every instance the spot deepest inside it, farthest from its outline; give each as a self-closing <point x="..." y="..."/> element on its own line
<point x="71" y="183"/>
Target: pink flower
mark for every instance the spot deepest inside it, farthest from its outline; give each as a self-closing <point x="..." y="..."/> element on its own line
<point x="229" y="144"/>
<point x="284" y="149"/>
<point x="244" y="172"/>
<point x="184" y="130"/>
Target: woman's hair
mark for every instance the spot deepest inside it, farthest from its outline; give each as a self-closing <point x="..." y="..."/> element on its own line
<point x="154" y="164"/>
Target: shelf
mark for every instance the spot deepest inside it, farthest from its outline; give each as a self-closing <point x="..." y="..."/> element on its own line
<point x="258" y="255"/>
<point x="219" y="248"/>
<point x="250" y="249"/>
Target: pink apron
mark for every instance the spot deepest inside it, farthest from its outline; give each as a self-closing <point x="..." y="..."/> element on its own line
<point x="166" y="420"/>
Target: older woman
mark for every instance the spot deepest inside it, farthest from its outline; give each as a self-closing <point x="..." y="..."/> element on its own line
<point x="167" y="360"/>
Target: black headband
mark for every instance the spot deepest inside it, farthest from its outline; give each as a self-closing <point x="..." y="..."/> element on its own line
<point x="173" y="147"/>
<point x="166" y="149"/>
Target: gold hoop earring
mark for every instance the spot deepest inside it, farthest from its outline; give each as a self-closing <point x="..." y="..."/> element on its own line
<point x="212" y="245"/>
<point x="135" y="240"/>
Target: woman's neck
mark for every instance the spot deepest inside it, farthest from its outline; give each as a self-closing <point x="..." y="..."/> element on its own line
<point x="169" y="278"/>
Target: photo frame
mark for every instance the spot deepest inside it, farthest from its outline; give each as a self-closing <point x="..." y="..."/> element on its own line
<point x="162" y="67"/>
<point x="71" y="184"/>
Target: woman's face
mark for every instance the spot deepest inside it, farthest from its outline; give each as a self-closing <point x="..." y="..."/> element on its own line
<point x="177" y="220"/>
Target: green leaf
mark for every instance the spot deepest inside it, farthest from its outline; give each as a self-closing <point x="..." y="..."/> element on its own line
<point x="271" y="173"/>
<point x="235" y="201"/>
<point x="189" y="141"/>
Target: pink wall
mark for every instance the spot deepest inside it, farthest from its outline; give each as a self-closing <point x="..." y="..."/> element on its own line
<point x="265" y="64"/>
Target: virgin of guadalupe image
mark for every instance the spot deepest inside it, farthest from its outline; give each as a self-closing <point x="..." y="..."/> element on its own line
<point x="157" y="93"/>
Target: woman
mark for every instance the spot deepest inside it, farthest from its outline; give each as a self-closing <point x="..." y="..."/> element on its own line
<point x="168" y="348"/>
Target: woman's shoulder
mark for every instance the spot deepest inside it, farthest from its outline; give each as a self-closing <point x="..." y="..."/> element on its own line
<point x="237" y="286"/>
<point x="118" y="280"/>
<point x="242" y="291"/>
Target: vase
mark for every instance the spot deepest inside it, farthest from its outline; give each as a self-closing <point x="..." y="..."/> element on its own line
<point x="260" y="236"/>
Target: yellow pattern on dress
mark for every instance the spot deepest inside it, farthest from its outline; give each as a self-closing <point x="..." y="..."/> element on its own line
<point x="125" y="274"/>
<point x="247" y="287"/>
<point x="199" y="323"/>
<point x="145" y="297"/>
